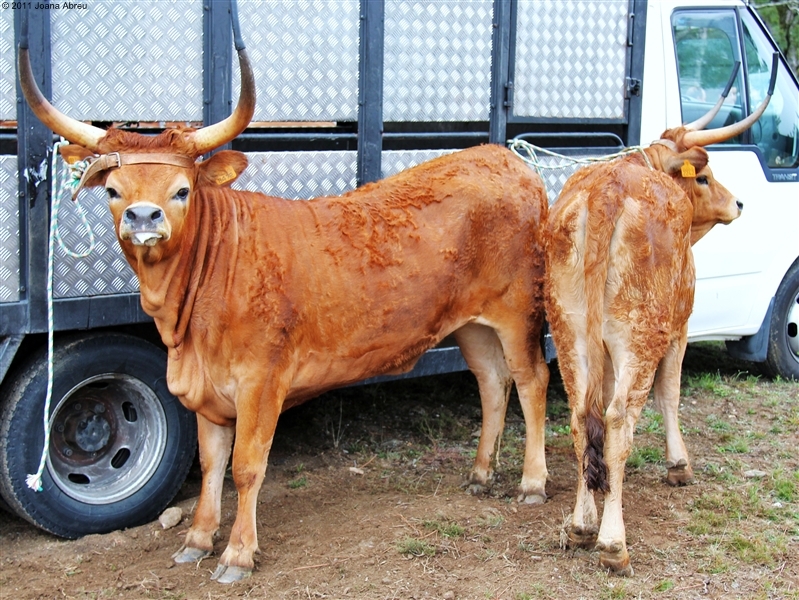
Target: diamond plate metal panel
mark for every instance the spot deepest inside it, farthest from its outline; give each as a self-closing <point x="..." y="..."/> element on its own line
<point x="570" y="59"/>
<point x="129" y="61"/>
<point x="299" y="175"/>
<point x="9" y="230"/>
<point x="555" y="178"/>
<point x="105" y="271"/>
<point x="437" y="60"/>
<point x="305" y="59"/>
<point x="394" y="161"/>
<point x="8" y="73"/>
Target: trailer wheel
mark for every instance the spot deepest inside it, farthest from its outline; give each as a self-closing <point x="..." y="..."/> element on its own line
<point x="783" y="344"/>
<point x="120" y="443"/>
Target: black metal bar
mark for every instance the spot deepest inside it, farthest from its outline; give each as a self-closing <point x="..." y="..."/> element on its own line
<point x="8" y="349"/>
<point x="500" y="71"/>
<point x="432" y="362"/>
<point x="636" y="71"/>
<point x="13" y="318"/>
<point x="217" y="62"/>
<point x="370" y="91"/>
<point x="33" y="151"/>
<point x="98" y="311"/>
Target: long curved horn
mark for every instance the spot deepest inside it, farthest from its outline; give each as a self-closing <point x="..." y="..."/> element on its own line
<point x="213" y="136"/>
<point x="75" y="131"/>
<point x="716" y="136"/>
<point x="705" y="119"/>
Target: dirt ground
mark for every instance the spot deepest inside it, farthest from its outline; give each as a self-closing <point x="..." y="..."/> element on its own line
<point x="363" y="499"/>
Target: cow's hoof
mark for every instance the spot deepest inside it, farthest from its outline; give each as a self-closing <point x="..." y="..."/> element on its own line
<point x="190" y="555"/>
<point x="679" y="473"/>
<point x="531" y="497"/>
<point x="478" y="489"/>
<point x="614" y="557"/>
<point x="581" y="537"/>
<point x="225" y="574"/>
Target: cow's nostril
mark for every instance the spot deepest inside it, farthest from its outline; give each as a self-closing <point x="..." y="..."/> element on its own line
<point x="130" y="215"/>
<point x="157" y="215"/>
<point x="740" y="204"/>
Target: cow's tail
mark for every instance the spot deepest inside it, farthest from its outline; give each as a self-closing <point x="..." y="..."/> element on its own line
<point x="600" y="224"/>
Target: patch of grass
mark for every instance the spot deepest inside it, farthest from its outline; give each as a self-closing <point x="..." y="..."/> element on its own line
<point x="650" y="421"/>
<point x="718" y="425"/>
<point x="757" y="548"/>
<point x="717" y="561"/>
<point x="712" y="383"/>
<point x="445" y="527"/>
<point x="664" y="586"/>
<point x="491" y="520"/>
<point x="557" y="430"/>
<point x="785" y="487"/>
<point x="614" y="590"/>
<point x="413" y="547"/>
<point x="299" y="482"/>
<point x="643" y="456"/>
<point x="734" y="446"/>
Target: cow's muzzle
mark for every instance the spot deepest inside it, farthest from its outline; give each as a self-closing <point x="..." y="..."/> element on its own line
<point x="143" y="224"/>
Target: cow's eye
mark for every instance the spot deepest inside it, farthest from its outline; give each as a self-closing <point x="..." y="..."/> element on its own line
<point x="702" y="180"/>
<point x="182" y="194"/>
<point x="112" y="193"/>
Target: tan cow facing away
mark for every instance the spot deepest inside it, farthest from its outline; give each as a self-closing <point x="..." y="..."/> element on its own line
<point x="263" y="302"/>
<point x="619" y="290"/>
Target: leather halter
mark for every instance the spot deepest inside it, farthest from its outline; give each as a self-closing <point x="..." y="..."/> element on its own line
<point x="114" y="160"/>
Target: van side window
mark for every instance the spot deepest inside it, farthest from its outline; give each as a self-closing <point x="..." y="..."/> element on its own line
<point x="707" y="47"/>
<point x="707" y="44"/>
<point x="776" y="133"/>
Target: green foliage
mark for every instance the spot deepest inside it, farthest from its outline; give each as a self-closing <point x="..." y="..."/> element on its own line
<point x="782" y="18"/>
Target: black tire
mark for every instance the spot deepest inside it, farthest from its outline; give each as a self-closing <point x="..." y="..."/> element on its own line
<point x="783" y="343"/>
<point x="121" y="444"/>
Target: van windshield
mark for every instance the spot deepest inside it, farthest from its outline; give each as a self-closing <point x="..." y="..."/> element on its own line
<point x="777" y="131"/>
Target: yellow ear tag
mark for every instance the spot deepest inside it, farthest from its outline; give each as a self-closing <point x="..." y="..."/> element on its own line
<point x="229" y="174"/>
<point x="71" y="158"/>
<point x="688" y="169"/>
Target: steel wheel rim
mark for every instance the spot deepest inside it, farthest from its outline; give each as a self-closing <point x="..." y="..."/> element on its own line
<point x="108" y="435"/>
<point x="792" y="326"/>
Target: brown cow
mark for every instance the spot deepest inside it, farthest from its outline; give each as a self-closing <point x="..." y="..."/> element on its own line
<point x="619" y="291"/>
<point x="264" y="303"/>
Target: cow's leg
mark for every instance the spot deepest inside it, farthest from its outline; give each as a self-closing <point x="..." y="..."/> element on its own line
<point x="215" y="442"/>
<point x="256" y="419"/>
<point x="667" y="402"/>
<point x="583" y="527"/>
<point x="531" y="375"/>
<point x="632" y="389"/>
<point x="482" y="351"/>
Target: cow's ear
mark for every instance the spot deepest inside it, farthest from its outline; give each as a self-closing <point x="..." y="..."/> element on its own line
<point x="222" y="168"/>
<point x="72" y="153"/>
<point x="688" y="163"/>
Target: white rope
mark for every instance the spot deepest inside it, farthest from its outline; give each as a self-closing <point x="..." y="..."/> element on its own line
<point x="57" y="191"/>
<point x="529" y="154"/>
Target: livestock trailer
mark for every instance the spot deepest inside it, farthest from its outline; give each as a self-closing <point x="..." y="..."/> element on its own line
<point x="348" y="92"/>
